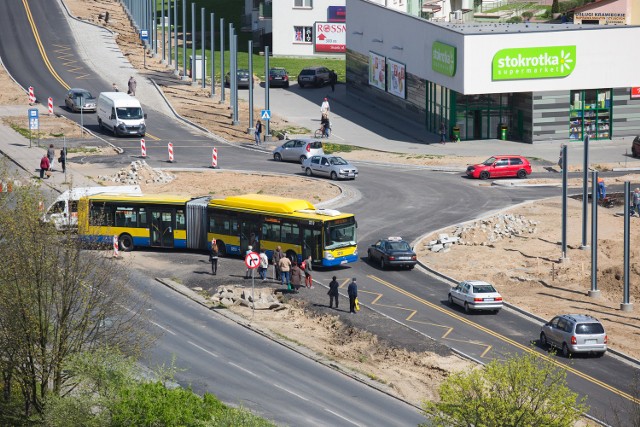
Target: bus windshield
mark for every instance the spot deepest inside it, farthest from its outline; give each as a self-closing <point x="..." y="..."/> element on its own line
<point x="129" y="113"/>
<point x="341" y="234"/>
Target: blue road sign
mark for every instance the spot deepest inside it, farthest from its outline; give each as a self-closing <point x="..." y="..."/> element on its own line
<point x="34" y="123"/>
<point x="265" y="114"/>
<point x="144" y="35"/>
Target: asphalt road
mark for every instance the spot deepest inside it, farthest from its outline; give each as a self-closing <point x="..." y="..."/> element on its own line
<point x="405" y="201"/>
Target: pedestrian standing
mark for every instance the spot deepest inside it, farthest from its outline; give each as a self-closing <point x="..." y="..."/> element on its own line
<point x="443" y="132"/>
<point x="213" y="257"/>
<point x="333" y="292"/>
<point x="324" y="108"/>
<point x="602" y="190"/>
<point x="258" y="132"/>
<point x="264" y="265"/>
<point x="51" y="153"/>
<point x="115" y="87"/>
<point x="636" y="201"/>
<point x="44" y="165"/>
<point x="247" y="273"/>
<point x="63" y="160"/>
<point x="560" y="160"/>
<point x="333" y="79"/>
<point x="132" y="84"/>
<point x="352" y="291"/>
<point x="277" y="256"/>
<point x="307" y="273"/>
<point x="285" y="268"/>
<point x="296" y="277"/>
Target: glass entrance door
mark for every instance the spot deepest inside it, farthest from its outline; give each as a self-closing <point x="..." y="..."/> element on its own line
<point x="161" y="231"/>
<point x="249" y="235"/>
<point x="312" y="243"/>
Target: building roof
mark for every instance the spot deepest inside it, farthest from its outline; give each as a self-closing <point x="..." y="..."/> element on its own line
<point x="525" y="27"/>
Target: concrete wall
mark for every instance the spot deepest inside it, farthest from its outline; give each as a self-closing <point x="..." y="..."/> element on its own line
<point x="550" y="115"/>
<point x="626" y="114"/>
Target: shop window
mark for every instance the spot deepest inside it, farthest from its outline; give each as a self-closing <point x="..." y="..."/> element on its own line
<point x="590" y="114"/>
<point x="303" y="3"/>
<point x="302" y="34"/>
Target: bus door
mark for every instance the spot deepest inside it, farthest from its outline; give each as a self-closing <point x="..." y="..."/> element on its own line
<point x="249" y="235"/>
<point x="161" y="230"/>
<point x="312" y="243"/>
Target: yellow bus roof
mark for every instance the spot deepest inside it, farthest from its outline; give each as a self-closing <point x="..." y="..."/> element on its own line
<point x="276" y="205"/>
<point x="142" y="198"/>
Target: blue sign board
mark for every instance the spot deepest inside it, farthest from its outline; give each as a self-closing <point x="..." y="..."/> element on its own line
<point x="265" y="114"/>
<point x="337" y="14"/>
<point x="34" y="123"/>
<point x="144" y="35"/>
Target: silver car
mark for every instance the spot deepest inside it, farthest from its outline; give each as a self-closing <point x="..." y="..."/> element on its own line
<point x="298" y="150"/>
<point x="475" y="295"/>
<point x="80" y="99"/>
<point x="575" y="333"/>
<point x="333" y="167"/>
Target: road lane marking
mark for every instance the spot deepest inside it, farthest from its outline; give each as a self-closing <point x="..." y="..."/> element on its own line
<point x="340" y="416"/>
<point x="148" y="135"/>
<point x="244" y="369"/>
<point x="162" y="327"/>
<point x="507" y="340"/>
<point x="290" y="392"/>
<point x="203" y="349"/>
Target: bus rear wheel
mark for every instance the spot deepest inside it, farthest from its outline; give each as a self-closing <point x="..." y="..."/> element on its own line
<point x="126" y="242"/>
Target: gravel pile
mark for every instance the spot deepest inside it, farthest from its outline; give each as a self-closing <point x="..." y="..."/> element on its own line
<point x="139" y="172"/>
<point x="265" y="299"/>
<point x="487" y="231"/>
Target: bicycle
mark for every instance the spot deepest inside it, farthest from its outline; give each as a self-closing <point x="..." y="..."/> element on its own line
<point x="322" y="132"/>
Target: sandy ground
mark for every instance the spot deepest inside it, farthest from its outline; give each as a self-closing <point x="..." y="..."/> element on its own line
<point x="526" y="270"/>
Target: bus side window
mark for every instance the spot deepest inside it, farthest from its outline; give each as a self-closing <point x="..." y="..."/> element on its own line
<point x="142" y="217"/>
<point x="271" y="232"/>
<point x="180" y="221"/>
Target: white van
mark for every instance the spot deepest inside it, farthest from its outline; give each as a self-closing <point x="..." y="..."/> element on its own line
<point x="63" y="213"/>
<point x="121" y="113"/>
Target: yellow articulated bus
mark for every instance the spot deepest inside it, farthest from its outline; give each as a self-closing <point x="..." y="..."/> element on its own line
<point x="236" y="222"/>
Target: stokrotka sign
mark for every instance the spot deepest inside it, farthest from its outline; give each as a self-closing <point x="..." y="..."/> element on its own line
<point x="534" y="63"/>
<point x="443" y="59"/>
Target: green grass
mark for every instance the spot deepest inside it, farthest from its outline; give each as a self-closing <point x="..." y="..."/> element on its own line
<point x="330" y="148"/>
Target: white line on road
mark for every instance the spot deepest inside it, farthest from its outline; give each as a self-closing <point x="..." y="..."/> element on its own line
<point x="340" y="416"/>
<point x="291" y="392"/>
<point x="203" y="349"/>
<point x="162" y="327"/>
<point x="243" y="369"/>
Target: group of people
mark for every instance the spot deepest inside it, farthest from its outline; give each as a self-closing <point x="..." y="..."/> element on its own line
<point x="47" y="161"/>
<point x="290" y="273"/>
<point x="132" y="85"/>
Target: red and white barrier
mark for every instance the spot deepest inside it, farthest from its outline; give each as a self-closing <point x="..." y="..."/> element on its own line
<point x="50" y="103"/>
<point x="116" y="246"/>
<point x="32" y="96"/>
<point x="143" y="148"/>
<point x="214" y="158"/>
<point x="170" y="148"/>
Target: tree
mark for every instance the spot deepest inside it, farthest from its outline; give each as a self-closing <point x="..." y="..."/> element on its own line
<point x="523" y="391"/>
<point x="555" y="7"/>
<point x="56" y="300"/>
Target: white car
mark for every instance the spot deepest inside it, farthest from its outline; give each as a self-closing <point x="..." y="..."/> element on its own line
<point x="333" y="167"/>
<point x="475" y="295"/>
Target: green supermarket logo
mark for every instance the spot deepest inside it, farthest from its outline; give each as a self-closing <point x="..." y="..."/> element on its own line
<point x="534" y="63"/>
<point x="443" y="59"/>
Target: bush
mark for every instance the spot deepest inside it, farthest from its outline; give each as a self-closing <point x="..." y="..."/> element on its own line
<point x="527" y="15"/>
<point x="514" y="20"/>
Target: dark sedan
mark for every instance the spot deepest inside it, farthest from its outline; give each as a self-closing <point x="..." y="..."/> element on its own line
<point x="80" y="99"/>
<point x="392" y="252"/>
<point x="243" y="79"/>
<point x="278" y="77"/>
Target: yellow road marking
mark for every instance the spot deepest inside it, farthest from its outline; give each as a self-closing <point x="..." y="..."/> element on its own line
<point x="506" y="340"/>
<point x="148" y="135"/>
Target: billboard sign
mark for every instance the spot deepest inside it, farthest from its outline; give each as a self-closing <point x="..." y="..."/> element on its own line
<point x="443" y="59"/>
<point x="330" y="37"/>
<point x="534" y="63"/>
<point x="635" y="92"/>
<point x="337" y="14"/>
<point x="377" y="70"/>
<point x="397" y="83"/>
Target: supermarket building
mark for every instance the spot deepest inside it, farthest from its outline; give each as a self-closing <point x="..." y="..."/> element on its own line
<point x="527" y="82"/>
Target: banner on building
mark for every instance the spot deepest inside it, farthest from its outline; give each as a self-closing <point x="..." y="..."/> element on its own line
<point x="396" y="84"/>
<point x="330" y="37"/>
<point x="377" y="70"/>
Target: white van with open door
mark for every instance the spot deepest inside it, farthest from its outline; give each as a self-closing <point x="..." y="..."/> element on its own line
<point x="121" y="113"/>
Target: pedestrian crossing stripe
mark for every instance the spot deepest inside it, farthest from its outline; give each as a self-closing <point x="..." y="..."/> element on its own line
<point x="265" y="114"/>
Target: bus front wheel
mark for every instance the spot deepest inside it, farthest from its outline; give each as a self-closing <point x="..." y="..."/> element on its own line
<point x="126" y="242"/>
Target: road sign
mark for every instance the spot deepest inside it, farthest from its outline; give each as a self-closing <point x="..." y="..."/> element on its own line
<point x="252" y="260"/>
<point x="144" y="35"/>
<point x="265" y="114"/>
<point x="34" y="123"/>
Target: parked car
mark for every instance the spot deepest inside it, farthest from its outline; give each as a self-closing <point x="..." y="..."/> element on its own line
<point x="298" y="150"/>
<point x="392" y="252"/>
<point x="475" y="295"/>
<point x="243" y="76"/>
<point x="76" y="96"/>
<point x="278" y="77"/>
<point x="315" y="76"/>
<point x="635" y="147"/>
<point x="575" y="333"/>
<point x="333" y="167"/>
<point x="501" y="166"/>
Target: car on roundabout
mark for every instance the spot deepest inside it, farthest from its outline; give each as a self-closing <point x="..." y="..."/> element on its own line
<point x="330" y="166"/>
<point x="392" y="252"/>
<point x="299" y="149"/>
<point x="475" y="295"/>
<point x="502" y="166"/>
<point x="575" y="333"/>
<point x="78" y="100"/>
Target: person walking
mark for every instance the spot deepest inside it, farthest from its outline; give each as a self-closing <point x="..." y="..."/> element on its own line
<point x="636" y="201"/>
<point x="324" y="108"/>
<point x="44" y="165"/>
<point x="247" y="274"/>
<point x="333" y="292"/>
<point x="264" y="265"/>
<point x="213" y="257"/>
<point x="63" y="160"/>
<point x="560" y="160"/>
<point x="51" y="153"/>
<point x="258" y="132"/>
<point x="277" y="256"/>
<point x="132" y="84"/>
<point x="115" y="87"/>
<point x="296" y="277"/>
<point x="307" y="272"/>
<point x="285" y="268"/>
<point x="602" y="190"/>
<point x="352" y="291"/>
<point x="333" y="79"/>
<point x="443" y="132"/>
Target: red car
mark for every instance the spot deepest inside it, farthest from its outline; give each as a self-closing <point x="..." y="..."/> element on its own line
<point x="500" y="166"/>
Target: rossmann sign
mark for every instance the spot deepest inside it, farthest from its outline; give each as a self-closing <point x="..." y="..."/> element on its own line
<point x="534" y="63"/>
<point x="330" y="37"/>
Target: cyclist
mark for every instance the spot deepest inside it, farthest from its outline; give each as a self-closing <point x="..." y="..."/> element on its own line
<point x="325" y="125"/>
